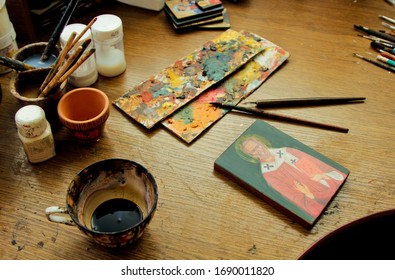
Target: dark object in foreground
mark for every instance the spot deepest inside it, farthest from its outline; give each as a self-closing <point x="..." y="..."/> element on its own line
<point x="368" y="238"/>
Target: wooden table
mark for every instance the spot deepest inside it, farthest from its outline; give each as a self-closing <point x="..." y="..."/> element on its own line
<point x="201" y="214"/>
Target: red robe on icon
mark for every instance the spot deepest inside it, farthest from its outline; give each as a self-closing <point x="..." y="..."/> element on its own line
<point x="304" y="180"/>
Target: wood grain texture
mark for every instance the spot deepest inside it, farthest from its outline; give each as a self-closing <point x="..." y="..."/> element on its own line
<point x="201" y="214"/>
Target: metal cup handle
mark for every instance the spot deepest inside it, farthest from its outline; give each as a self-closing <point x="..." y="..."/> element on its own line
<point x="53" y="214"/>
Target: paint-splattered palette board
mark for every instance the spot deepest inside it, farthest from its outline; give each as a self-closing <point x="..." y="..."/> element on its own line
<point x="194" y="118"/>
<point x="161" y="95"/>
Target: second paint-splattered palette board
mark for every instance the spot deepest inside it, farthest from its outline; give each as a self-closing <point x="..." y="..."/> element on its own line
<point x="161" y="95"/>
<point x="195" y="117"/>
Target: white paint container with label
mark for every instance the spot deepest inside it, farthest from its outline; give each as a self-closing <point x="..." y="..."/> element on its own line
<point x="107" y="36"/>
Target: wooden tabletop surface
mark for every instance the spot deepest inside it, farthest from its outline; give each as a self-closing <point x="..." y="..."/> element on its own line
<point x="201" y="214"/>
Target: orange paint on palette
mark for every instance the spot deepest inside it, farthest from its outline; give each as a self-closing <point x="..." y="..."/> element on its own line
<point x="146" y="96"/>
<point x="204" y="113"/>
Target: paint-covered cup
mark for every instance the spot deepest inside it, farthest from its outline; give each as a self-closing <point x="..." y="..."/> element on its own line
<point x="31" y="54"/>
<point x="111" y="201"/>
<point x="84" y="112"/>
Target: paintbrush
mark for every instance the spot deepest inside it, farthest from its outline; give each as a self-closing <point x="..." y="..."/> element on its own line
<point x="84" y="31"/>
<point x="59" y="60"/>
<point x="306" y="101"/>
<point x="15" y="64"/>
<point x="384" y="66"/>
<point x="53" y="40"/>
<point x="71" y="42"/>
<point x="375" y="33"/>
<point x="280" y="117"/>
<point x="75" y="65"/>
<point x="60" y="79"/>
<point x="84" y="46"/>
<point x="62" y="69"/>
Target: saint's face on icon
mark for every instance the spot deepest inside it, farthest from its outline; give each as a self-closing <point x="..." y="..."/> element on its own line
<point x="257" y="150"/>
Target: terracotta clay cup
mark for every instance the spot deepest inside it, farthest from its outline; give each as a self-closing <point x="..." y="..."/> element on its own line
<point x="25" y="85"/>
<point x="84" y="111"/>
<point x="31" y="54"/>
<point x="111" y="201"/>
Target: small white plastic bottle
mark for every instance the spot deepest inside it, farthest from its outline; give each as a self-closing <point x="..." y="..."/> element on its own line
<point x="35" y="133"/>
<point x="107" y="36"/>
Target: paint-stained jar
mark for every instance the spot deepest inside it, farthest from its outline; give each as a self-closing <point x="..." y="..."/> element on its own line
<point x="35" y="133"/>
<point x="107" y="36"/>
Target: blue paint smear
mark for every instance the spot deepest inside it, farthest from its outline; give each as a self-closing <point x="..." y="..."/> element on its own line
<point x="217" y="66"/>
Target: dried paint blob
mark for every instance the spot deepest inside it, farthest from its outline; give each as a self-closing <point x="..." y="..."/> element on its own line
<point x="217" y="66"/>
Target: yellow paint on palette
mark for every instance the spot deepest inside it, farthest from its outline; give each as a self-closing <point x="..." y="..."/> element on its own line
<point x="175" y="79"/>
<point x="191" y="120"/>
<point x="161" y="95"/>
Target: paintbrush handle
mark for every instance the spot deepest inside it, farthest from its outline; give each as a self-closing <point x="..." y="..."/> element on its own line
<point x="384" y="66"/>
<point x="53" y="40"/>
<point x="54" y="81"/>
<point x="14" y="64"/>
<point x="58" y="62"/>
<point x="84" y="45"/>
<point x="74" y="67"/>
<point x="283" y="117"/>
<point x="84" y="30"/>
<point x="378" y="34"/>
<point x="307" y="101"/>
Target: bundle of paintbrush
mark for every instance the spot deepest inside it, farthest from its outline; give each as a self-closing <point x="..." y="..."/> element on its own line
<point x="69" y="59"/>
<point x="383" y="42"/>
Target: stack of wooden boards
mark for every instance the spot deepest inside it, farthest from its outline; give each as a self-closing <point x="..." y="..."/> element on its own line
<point x="186" y="14"/>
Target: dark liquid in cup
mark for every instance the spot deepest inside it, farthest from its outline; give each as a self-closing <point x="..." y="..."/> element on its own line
<point x="115" y="215"/>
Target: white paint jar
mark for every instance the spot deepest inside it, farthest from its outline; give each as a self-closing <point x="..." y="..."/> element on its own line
<point x="86" y="74"/>
<point x="5" y="23"/>
<point x="107" y="36"/>
<point x="8" y="45"/>
<point x="35" y="133"/>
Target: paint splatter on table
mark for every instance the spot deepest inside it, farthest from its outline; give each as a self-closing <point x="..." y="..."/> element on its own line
<point x="194" y="118"/>
<point x="161" y="95"/>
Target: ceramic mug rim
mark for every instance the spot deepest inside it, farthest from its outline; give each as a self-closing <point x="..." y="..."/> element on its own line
<point x="144" y="220"/>
<point x="104" y="114"/>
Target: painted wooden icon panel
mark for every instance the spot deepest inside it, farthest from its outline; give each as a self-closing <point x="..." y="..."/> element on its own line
<point x="156" y="98"/>
<point x="194" y="118"/>
<point x="208" y="4"/>
<point x="183" y="10"/>
<point x="284" y="172"/>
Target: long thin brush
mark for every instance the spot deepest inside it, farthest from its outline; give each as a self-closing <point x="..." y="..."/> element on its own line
<point x="386" y="67"/>
<point x="58" y="30"/>
<point x="306" y="101"/>
<point x="15" y="64"/>
<point x="59" y="60"/>
<point x="280" y="117"/>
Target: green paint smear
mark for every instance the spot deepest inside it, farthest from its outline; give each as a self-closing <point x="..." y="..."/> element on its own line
<point x="186" y="115"/>
<point x="217" y="66"/>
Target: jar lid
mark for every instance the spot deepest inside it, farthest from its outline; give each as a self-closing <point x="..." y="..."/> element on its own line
<point x="75" y="27"/>
<point x="30" y="121"/>
<point x="107" y="27"/>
